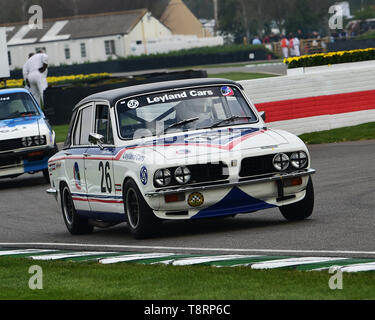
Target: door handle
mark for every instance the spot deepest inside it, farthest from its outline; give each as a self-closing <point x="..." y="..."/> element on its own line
<point x="87" y="155"/>
<point x="67" y="153"/>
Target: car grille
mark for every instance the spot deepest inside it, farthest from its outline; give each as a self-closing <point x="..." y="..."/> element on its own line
<point x="9" y="161"/>
<point x="203" y="173"/>
<point x="8" y="145"/>
<point x="256" y="166"/>
<point x="262" y="165"/>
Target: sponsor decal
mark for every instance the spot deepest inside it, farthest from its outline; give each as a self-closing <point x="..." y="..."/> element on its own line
<point x="180" y="96"/>
<point x="144" y="175"/>
<point x="227" y="91"/>
<point x="184" y="151"/>
<point x="196" y="199"/>
<point x="77" y="176"/>
<point x="133" y="104"/>
<point x="134" y="157"/>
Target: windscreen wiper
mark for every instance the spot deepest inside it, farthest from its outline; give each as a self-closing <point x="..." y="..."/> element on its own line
<point x="181" y="123"/>
<point x="232" y="118"/>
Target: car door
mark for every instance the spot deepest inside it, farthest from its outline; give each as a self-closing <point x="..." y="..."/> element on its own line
<point x="99" y="167"/>
<point x="75" y="160"/>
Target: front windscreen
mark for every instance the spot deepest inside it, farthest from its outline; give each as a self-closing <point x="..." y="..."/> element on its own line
<point x="183" y="110"/>
<point x="17" y="105"/>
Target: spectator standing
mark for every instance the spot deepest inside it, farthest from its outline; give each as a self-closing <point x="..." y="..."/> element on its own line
<point x="296" y="46"/>
<point x="285" y="46"/>
<point x="35" y="75"/>
<point x="291" y="46"/>
<point x="256" y="41"/>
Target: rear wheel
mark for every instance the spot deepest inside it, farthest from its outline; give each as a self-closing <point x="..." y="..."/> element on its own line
<point x="76" y="224"/>
<point x="141" y="220"/>
<point x="303" y="209"/>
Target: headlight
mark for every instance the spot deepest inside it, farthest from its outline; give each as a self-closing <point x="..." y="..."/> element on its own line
<point x="281" y="162"/>
<point x="182" y="175"/>
<point x="299" y="159"/>
<point x="27" y="141"/>
<point x="37" y="140"/>
<point x="163" y="177"/>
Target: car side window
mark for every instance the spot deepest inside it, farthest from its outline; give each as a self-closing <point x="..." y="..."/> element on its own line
<point x="103" y="124"/>
<point x="86" y="125"/>
<point x="83" y="127"/>
<point x="77" y="130"/>
<point x="70" y="132"/>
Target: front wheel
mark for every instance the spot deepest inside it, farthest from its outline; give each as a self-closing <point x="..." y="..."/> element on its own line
<point x="76" y="224"/>
<point x="141" y="220"/>
<point x="303" y="209"/>
<point x="46" y="175"/>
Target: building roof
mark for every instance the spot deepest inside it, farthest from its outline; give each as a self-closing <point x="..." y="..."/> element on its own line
<point x="80" y="27"/>
<point x="113" y="96"/>
<point x="178" y="17"/>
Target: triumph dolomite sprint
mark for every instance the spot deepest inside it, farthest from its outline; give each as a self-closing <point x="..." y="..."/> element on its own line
<point x="179" y="150"/>
<point x="27" y="140"/>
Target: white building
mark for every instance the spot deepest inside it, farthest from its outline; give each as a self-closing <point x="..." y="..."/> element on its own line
<point x="100" y="37"/>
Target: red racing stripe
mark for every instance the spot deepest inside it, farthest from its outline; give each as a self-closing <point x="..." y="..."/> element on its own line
<point x="318" y="106"/>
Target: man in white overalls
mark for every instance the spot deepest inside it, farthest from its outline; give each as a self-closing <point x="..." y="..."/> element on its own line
<point x="35" y="74"/>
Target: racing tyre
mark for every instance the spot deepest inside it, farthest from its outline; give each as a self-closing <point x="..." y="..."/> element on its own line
<point x="46" y="175"/>
<point x="76" y="224"/>
<point x="300" y="210"/>
<point x="141" y="220"/>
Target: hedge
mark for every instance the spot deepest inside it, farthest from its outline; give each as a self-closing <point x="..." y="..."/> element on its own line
<point x="322" y="59"/>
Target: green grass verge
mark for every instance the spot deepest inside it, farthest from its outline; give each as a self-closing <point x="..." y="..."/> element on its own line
<point x="355" y="133"/>
<point x="61" y="132"/>
<point x="90" y="280"/>
<point x="237" y="76"/>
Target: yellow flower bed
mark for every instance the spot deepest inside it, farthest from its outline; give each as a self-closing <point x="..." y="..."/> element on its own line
<point x="330" y="58"/>
<point x="13" y="83"/>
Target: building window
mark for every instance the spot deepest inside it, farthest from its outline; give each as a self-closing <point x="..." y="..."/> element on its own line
<point x="43" y="49"/>
<point x="110" y="47"/>
<point x="67" y="53"/>
<point x="83" y="50"/>
<point x="9" y="58"/>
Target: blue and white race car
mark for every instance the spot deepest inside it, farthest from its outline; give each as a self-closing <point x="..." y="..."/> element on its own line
<point x="177" y="150"/>
<point x="27" y="140"/>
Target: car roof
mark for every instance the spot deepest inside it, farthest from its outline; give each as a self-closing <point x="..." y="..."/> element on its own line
<point x="13" y="90"/>
<point x="112" y="96"/>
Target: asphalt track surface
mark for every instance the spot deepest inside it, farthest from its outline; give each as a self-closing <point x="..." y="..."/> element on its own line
<point x="343" y="222"/>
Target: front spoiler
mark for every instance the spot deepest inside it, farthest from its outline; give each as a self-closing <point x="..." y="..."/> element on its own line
<point x="278" y="177"/>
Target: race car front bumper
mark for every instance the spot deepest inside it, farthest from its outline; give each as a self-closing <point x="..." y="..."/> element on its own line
<point x="246" y="195"/>
<point x="15" y="163"/>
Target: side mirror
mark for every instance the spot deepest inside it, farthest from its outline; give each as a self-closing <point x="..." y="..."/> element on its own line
<point x="97" y="139"/>
<point x="263" y="115"/>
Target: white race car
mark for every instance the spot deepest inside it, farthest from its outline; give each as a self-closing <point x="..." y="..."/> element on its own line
<point x="178" y="150"/>
<point x="27" y="140"/>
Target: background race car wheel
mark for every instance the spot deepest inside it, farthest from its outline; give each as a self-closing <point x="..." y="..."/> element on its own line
<point x="141" y="220"/>
<point x="46" y="175"/>
<point x="300" y="210"/>
<point x="75" y="223"/>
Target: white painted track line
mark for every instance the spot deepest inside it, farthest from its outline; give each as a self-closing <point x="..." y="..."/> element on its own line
<point x="282" y="263"/>
<point x="359" y="267"/>
<point x="130" y="247"/>
<point x="26" y="251"/>
<point x="134" y="257"/>
<point x="199" y="260"/>
<point x="59" y="256"/>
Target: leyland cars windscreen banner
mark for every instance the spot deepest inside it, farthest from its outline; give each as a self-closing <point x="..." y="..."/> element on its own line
<point x="4" y="62"/>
